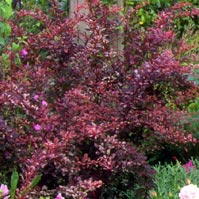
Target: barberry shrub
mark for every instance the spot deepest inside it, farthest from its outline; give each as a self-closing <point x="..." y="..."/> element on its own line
<point x="84" y="114"/>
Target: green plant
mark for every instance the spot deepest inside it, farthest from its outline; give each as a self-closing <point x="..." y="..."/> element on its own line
<point x="5" y="14"/>
<point x="14" y="183"/>
<point x="14" y="180"/>
<point x="169" y="178"/>
<point x="191" y="123"/>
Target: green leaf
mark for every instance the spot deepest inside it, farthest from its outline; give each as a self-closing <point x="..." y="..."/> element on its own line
<point x="14" y="182"/>
<point x="7" y="11"/>
<point x="15" y="46"/>
<point x="7" y="29"/>
<point x="1" y="27"/>
<point x="32" y="185"/>
<point x="193" y="107"/>
<point x="143" y="19"/>
<point x="2" y="41"/>
<point x="140" y="12"/>
<point x="2" y="9"/>
<point x="9" y="2"/>
<point x="35" y="181"/>
<point x="5" y="56"/>
<point x="44" y="55"/>
<point x="130" y="3"/>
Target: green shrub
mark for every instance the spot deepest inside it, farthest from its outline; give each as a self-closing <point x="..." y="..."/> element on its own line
<point x="5" y="14"/>
<point x="170" y="178"/>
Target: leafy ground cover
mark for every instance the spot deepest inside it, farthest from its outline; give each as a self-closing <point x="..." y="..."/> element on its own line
<point x="82" y="119"/>
<point x="171" y="178"/>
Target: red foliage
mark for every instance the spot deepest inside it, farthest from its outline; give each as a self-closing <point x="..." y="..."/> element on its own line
<point x="80" y="113"/>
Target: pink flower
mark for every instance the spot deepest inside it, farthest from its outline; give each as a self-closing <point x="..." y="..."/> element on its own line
<point x="36" y="97"/>
<point x="37" y="127"/>
<point x="189" y="192"/>
<point x="189" y="166"/>
<point x="44" y="103"/>
<point x="59" y="196"/>
<point x="4" y="191"/>
<point x="23" y="53"/>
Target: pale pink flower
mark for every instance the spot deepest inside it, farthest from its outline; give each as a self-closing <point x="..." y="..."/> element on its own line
<point x="4" y="191"/>
<point x="36" y="97"/>
<point x="189" y="166"/>
<point x="37" y="127"/>
<point x="59" y="196"/>
<point x="44" y="103"/>
<point x="189" y="192"/>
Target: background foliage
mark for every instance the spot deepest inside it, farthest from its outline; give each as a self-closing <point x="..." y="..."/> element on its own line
<point x="170" y="178"/>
